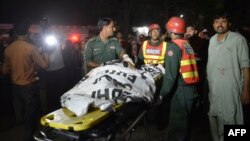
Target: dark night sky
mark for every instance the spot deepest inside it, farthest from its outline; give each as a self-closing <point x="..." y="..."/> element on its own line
<point x="84" y="12"/>
<point x="58" y="11"/>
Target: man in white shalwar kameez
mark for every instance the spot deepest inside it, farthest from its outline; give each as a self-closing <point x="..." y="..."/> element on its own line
<point x="228" y="77"/>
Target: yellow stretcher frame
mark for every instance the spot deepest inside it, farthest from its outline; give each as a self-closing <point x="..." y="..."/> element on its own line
<point x="67" y="120"/>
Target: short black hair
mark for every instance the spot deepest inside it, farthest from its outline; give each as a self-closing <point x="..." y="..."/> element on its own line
<point x="104" y="21"/>
<point x="193" y="26"/>
<point x="222" y="14"/>
<point x="21" y="27"/>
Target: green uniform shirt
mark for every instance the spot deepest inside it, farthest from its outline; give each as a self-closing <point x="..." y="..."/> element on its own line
<point x="98" y="51"/>
<point x="182" y="96"/>
<point x="172" y="77"/>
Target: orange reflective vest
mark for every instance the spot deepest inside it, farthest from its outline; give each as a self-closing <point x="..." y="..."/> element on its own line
<point x="188" y="67"/>
<point x="154" y="54"/>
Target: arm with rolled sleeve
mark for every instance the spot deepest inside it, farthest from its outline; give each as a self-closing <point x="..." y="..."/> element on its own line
<point x="172" y="66"/>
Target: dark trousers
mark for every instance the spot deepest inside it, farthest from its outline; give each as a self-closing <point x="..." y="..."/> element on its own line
<point x="55" y="87"/>
<point x="27" y="106"/>
<point x="162" y="110"/>
<point x="181" y="108"/>
<point x="246" y="110"/>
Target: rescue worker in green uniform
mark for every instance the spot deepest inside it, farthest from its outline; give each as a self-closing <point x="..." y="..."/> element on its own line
<point x="152" y="51"/>
<point x="103" y="48"/>
<point x="179" y="81"/>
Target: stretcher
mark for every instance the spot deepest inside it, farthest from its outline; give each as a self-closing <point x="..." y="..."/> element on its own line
<point x="115" y="124"/>
<point x="97" y="125"/>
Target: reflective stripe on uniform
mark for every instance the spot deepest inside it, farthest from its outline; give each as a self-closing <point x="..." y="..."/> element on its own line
<point x="154" y="59"/>
<point x="190" y="74"/>
<point x="188" y="62"/>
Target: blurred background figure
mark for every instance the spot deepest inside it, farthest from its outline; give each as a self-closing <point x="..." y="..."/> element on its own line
<point x="73" y="56"/>
<point x="120" y="38"/>
<point x="199" y="42"/>
<point x="133" y="47"/>
<point x="141" y="39"/>
<point x="20" y="61"/>
<point x="204" y="34"/>
<point x="55" y="73"/>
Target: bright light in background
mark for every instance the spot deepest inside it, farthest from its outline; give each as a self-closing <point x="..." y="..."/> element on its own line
<point x="51" y="40"/>
<point x="181" y="15"/>
<point x="74" y="38"/>
<point x="143" y="30"/>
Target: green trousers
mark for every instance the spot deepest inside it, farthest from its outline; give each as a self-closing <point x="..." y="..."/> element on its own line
<point x="182" y="103"/>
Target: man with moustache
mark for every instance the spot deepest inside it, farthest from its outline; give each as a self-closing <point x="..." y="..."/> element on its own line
<point x="228" y="76"/>
<point x="104" y="47"/>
